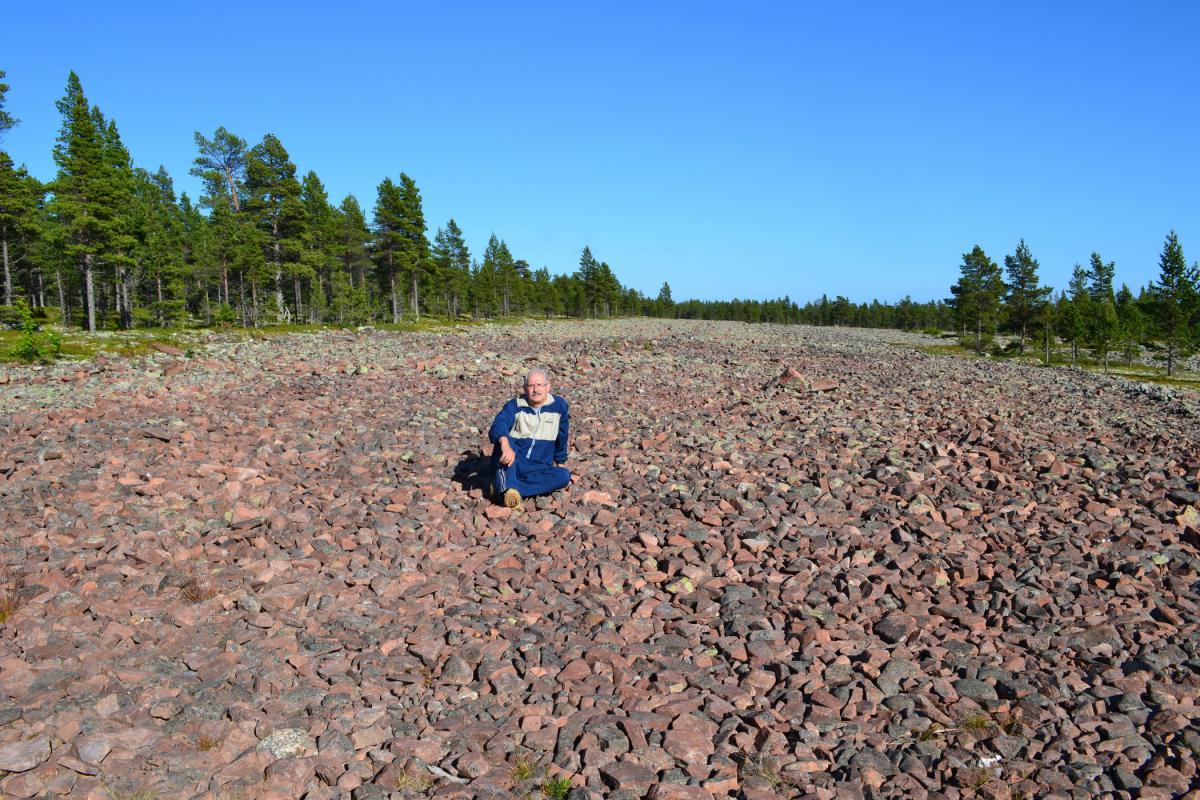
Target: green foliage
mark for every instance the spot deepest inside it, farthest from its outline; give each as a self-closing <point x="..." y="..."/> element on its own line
<point x="556" y="788"/>
<point x="1026" y="297"/>
<point x="7" y="121"/>
<point x="32" y="344"/>
<point x="1174" y="300"/>
<point x="976" y="297"/>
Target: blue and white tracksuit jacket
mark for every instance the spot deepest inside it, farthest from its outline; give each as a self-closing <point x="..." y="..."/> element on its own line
<point x="538" y="437"/>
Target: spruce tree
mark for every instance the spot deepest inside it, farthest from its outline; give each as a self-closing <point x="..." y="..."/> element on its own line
<point x="453" y="264"/>
<point x="586" y="275"/>
<point x="1131" y="324"/>
<point x="1026" y="298"/>
<point x="1075" y="311"/>
<point x="1103" y="320"/>
<point x="1174" y="298"/>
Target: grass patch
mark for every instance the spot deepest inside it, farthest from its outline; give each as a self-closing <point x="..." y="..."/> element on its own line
<point x="1137" y="372"/>
<point x="10" y="594"/>
<point x="523" y="769"/>
<point x="760" y="766"/>
<point x="207" y="743"/>
<point x="556" y="788"/>
<point x="414" y="780"/>
<point x="127" y="791"/>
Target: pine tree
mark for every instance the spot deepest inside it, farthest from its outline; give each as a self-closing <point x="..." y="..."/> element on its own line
<point x="389" y="240"/>
<point x="273" y="202"/>
<point x="222" y="166"/>
<point x="1026" y="298"/>
<point x="1174" y="298"/>
<point x="319" y="237"/>
<point x="125" y="222"/>
<point x="414" y="252"/>
<point x="494" y="278"/>
<point x="19" y="196"/>
<point x="7" y="120"/>
<point x="350" y="300"/>
<point x="200" y="262"/>
<point x="83" y="195"/>
<point x="977" y="295"/>
<point x="162" y="247"/>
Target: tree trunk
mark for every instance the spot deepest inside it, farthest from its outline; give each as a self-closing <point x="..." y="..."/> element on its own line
<point x="62" y="295"/>
<point x="416" y="299"/>
<point x="89" y="293"/>
<point x="299" y="303"/>
<point x="395" y="304"/>
<point x="232" y="190"/>
<point x="7" y="276"/>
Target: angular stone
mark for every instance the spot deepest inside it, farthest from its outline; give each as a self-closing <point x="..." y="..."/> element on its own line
<point x="288" y="743"/>
<point x="628" y="776"/>
<point x="25" y="755"/>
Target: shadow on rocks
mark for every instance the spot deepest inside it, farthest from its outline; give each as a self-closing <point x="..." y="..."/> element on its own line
<point x="473" y="471"/>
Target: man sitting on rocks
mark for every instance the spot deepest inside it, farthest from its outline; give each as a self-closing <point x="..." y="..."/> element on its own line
<point x="530" y="443"/>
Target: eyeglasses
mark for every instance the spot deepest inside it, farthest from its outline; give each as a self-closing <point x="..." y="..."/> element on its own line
<point x="537" y="386"/>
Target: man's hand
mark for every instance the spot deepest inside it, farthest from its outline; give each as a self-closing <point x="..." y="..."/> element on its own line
<point x="507" y="456"/>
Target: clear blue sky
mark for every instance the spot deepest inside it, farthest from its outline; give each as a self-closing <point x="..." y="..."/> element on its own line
<point x="751" y="149"/>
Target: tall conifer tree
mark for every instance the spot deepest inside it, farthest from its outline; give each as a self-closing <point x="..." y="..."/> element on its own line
<point x="976" y="296"/>
<point x="1026" y="296"/>
<point x="82" y="194"/>
<point x="1174" y="298"/>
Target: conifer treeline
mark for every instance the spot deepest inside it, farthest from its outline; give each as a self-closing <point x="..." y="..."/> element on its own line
<point x="1164" y="316"/>
<point x="108" y="244"/>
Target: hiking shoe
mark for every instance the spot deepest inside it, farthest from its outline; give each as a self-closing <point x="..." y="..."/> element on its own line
<point x="512" y="499"/>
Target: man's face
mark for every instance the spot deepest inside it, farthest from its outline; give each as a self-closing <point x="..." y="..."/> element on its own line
<point x="537" y="389"/>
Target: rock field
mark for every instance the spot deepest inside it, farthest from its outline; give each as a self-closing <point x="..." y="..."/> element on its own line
<point x="269" y="570"/>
